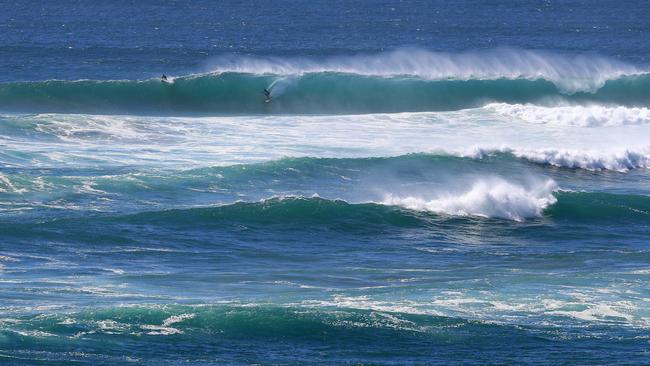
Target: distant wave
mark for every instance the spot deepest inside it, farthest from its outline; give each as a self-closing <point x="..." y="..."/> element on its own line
<point x="314" y="93"/>
<point x="480" y="202"/>
<point x="391" y="82"/>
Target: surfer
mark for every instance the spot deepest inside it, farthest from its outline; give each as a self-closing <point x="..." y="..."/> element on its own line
<point x="267" y="93"/>
<point x="163" y="78"/>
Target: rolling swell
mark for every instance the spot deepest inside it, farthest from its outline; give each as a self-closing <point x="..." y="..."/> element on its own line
<point x="412" y="190"/>
<point x="300" y="212"/>
<point x="300" y="334"/>
<point x="317" y="93"/>
<point x="317" y="211"/>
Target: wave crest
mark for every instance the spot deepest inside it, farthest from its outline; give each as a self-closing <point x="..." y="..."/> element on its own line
<point x="492" y="198"/>
<point x="594" y="160"/>
<point x="399" y="81"/>
<point x="569" y="73"/>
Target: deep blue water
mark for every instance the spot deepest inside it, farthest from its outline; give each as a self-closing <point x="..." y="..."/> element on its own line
<point x="429" y="182"/>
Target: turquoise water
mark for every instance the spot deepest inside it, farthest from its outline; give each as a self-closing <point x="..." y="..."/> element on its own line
<point x="429" y="183"/>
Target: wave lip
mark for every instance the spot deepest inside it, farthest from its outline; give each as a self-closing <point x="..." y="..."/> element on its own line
<point x="312" y="93"/>
<point x="617" y="160"/>
<point x="505" y="202"/>
<point x="490" y="198"/>
<point x="569" y="73"/>
<point x="408" y="80"/>
<point x="621" y="161"/>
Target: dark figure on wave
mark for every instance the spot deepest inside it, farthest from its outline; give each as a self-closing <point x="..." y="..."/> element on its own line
<point x="163" y="78"/>
<point x="267" y="93"/>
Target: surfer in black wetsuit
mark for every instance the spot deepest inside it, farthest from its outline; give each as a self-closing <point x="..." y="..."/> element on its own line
<point x="163" y="78"/>
<point x="267" y="93"/>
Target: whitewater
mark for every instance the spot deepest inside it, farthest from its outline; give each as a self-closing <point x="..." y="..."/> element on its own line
<point x="406" y="196"/>
<point x="399" y="81"/>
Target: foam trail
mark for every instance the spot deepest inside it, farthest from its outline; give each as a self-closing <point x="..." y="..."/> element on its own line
<point x="493" y="197"/>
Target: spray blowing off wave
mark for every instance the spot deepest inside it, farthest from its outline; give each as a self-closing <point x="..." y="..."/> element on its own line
<point x="301" y="213"/>
<point x="569" y="73"/>
<point x="318" y="93"/>
<point x="486" y="198"/>
<point x="393" y="82"/>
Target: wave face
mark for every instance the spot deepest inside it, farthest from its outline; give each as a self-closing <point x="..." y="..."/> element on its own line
<point x="399" y="81"/>
<point x="310" y="93"/>
<point x="410" y="211"/>
<point x="491" y="198"/>
<point x="499" y="186"/>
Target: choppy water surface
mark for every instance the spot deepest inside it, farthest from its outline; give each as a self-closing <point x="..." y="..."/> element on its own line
<point x="412" y="193"/>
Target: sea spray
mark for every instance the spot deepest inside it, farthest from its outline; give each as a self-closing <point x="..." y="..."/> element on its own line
<point x="309" y="93"/>
<point x="491" y="197"/>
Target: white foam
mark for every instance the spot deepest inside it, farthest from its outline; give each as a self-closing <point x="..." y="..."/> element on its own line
<point x="493" y="197"/>
<point x="7" y="186"/>
<point x="603" y="138"/>
<point x="116" y="271"/>
<point x="596" y="312"/>
<point x="111" y="326"/>
<point x="621" y="161"/>
<point x="34" y="333"/>
<point x="366" y="303"/>
<point x="177" y="319"/>
<point x="75" y="128"/>
<point x="569" y="73"/>
<point x="574" y="115"/>
<point x="160" y="330"/>
<point x="166" y="327"/>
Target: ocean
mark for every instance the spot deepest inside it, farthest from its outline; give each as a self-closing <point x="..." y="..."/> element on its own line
<point x="428" y="182"/>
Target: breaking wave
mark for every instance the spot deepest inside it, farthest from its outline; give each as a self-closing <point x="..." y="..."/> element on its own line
<point x="574" y="115"/>
<point x="403" y="80"/>
<point x="479" y="203"/>
<point x="495" y="198"/>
